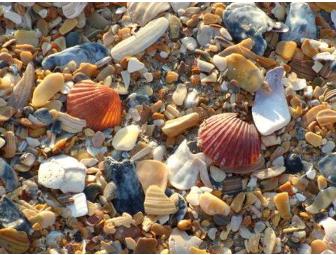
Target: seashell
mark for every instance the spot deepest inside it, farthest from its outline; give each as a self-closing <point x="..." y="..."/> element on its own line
<point x="14" y="241"/>
<point x="124" y="220"/>
<point x="98" y="105"/>
<point x="326" y="117"/>
<point x="142" y="13"/>
<point x="22" y="91"/>
<point x="84" y="53"/>
<point x="144" y="38"/>
<point x="329" y="227"/>
<point x="245" y="20"/>
<point x="157" y="203"/>
<point x="303" y="68"/>
<point x="231" y="143"/>
<point x="152" y="172"/>
<point x="213" y="205"/>
<point x="69" y="123"/>
<point x="180" y="242"/>
<point x="126" y="137"/>
<point x="8" y="176"/>
<point x="179" y="6"/>
<point x="10" y="146"/>
<point x="330" y="96"/>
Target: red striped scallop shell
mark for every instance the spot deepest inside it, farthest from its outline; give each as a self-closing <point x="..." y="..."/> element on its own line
<point x="99" y="105"/>
<point x="230" y="142"/>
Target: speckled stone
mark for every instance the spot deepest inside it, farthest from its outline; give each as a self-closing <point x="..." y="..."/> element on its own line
<point x="129" y="195"/>
<point x="84" y="53"/>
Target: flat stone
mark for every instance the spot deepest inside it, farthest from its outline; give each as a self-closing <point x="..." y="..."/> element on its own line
<point x="126" y="137"/>
<point x="129" y="195"/>
<point x="26" y="37"/>
<point x="270" y="111"/>
<point x="177" y="126"/>
<point x="212" y="205"/>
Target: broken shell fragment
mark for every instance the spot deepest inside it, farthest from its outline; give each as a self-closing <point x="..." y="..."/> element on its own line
<point x="212" y="205"/>
<point x="323" y="199"/>
<point x="157" y="203"/>
<point x="231" y="143"/>
<point x="152" y="172"/>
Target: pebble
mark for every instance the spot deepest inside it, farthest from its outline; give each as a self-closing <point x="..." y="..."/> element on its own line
<point x="26" y="37"/>
<point x="318" y="246"/>
<point x="47" y="88"/>
<point x="126" y="137"/>
<point x="269" y="240"/>
<point x="190" y="43"/>
<point x="134" y="65"/>
<point x="129" y="195"/>
<point x="185" y="168"/>
<point x="313" y="139"/>
<point x="311" y="174"/>
<point x="212" y="205"/>
<point x="217" y="174"/>
<point x="84" y="53"/>
<point x="92" y="191"/>
<point x="281" y="201"/>
<point x="62" y="172"/>
<point x="180" y="94"/>
<point x="286" y="49"/>
<point x="177" y="126"/>
<point x="45" y="219"/>
<point x="152" y="172"/>
<point x="236" y="220"/>
<point x="146" y="245"/>
<point x="301" y="22"/>
<point x="142" y="13"/>
<point x="270" y="110"/>
<point x="73" y="9"/>
<point x="181" y="243"/>
<point x="157" y="203"/>
<point x="327" y="167"/>
<point x="8" y="176"/>
<point x="293" y="163"/>
<point x="328" y="147"/>
<point x="141" y="40"/>
<point x="268" y="173"/>
<point x="323" y="199"/>
<point x="67" y="26"/>
<point x="237" y="202"/>
<point x="194" y="194"/>
<point x="79" y="206"/>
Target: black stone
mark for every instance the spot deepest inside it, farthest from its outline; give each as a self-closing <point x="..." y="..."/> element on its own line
<point x="78" y="237"/>
<point x="221" y="220"/>
<point x="129" y="195"/>
<point x="293" y="163"/>
<point x="92" y="191"/>
<point x="11" y="216"/>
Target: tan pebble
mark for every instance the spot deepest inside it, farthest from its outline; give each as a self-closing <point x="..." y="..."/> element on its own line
<point x="326" y="117"/>
<point x="157" y="203"/>
<point x="177" y="126"/>
<point x="47" y="88"/>
<point x="322" y="182"/>
<point x="212" y="205"/>
<point x="9" y="149"/>
<point x="160" y="230"/>
<point x="318" y="246"/>
<point x="237" y="202"/>
<point x="244" y="71"/>
<point x="311" y="114"/>
<point x="67" y="26"/>
<point x="14" y="241"/>
<point x="281" y="201"/>
<point x="88" y="69"/>
<point x="130" y="243"/>
<point x="308" y="49"/>
<point x="195" y="250"/>
<point x="269" y="241"/>
<point x="26" y="57"/>
<point x="184" y="225"/>
<point x="286" y="49"/>
<point x="210" y="18"/>
<point x="146" y="245"/>
<point x="313" y="139"/>
<point x="152" y="172"/>
<point x="26" y="37"/>
<point x="171" y="77"/>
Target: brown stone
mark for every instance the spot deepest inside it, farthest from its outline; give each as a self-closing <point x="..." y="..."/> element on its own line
<point x="122" y="232"/>
<point x="160" y="230"/>
<point x="286" y="49"/>
<point x="146" y="245"/>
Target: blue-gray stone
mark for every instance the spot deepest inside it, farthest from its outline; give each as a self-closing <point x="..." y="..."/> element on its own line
<point x="246" y="20"/>
<point x="129" y="195"/>
<point x="327" y="166"/>
<point x="301" y="22"/>
<point x="72" y="39"/>
<point x="11" y="216"/>
<point x="44" y="116"/>
<point x="8" y="176"/>
<point x="85" y="53"/>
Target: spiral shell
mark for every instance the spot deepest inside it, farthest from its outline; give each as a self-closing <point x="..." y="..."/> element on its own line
<point x="99" y="105"/>
<point x="231" y="143"/>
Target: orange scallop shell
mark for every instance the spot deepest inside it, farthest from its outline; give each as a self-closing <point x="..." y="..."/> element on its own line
<point x="99" y="105"/>
<point x="230" y="142"/>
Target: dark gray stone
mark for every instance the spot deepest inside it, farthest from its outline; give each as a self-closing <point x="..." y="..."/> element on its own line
<point x="84" y="53"/>
<point x="11" y="216"/>
<point x="301" y="22"/>
<point x="92" y="191"/>
<point x="327" y="166"/>
<point x="129" y="195"/>
<point x="8" y="176"/>
<point x="72" y="39"/>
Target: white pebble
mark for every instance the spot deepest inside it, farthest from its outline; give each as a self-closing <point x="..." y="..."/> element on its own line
<point x="192" y="99"/>
<point x="79" y="207"/>
<point x="134" y="65"/>
<point x="311" y="173"/>
<point x="235" y="222"/>
<point x="217" y="174"/>
<point x="212" y="233"/>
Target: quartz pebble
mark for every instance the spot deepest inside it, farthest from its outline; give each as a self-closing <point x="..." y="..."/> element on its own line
<point x="126" y="137"/>
<point x="44" y="91"/>
<point x="79" y="207"/>
<point x="270" y="110"/>
<point x="177" y="126"/>
<point x="212" y="205"/>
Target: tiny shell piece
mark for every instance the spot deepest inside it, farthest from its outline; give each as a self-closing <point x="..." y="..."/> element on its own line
<point x="157" y="203"/>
